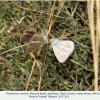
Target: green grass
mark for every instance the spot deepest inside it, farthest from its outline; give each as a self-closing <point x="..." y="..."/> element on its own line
<point x="75" y="74"/>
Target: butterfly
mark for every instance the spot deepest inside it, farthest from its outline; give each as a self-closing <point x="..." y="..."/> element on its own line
<point x="62" y="49"/>
<point x="34" y="41"/>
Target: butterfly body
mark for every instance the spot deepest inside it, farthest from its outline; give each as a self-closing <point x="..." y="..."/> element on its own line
<point x="62" y="49"/>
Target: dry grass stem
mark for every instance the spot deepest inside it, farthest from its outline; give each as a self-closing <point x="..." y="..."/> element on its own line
<point x="94" y="40"/>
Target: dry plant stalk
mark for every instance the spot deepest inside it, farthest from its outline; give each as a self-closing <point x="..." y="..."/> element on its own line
<point x="13" y="49"/>
<point x="97" y="40"/>
<point x="94" y="38"/>
<point x="47" y="34"/>
<point x="32" y="70"/>
<point x="52" y="21"/>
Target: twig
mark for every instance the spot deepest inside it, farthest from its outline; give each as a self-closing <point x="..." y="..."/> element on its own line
<point x="13" y="49"/>
<point x="32" y="70"/>
<point x="82" y="66"/>
<point x="69" y="34"/>
<point x="42" y="71"/>
<point x="40" y="80"/>
<point x="90" y="8"/>
<point x="47" y="34"/>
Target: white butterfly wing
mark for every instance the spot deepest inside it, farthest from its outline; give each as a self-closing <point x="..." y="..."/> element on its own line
<point x="62" y="49"/>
